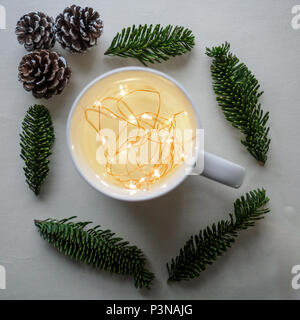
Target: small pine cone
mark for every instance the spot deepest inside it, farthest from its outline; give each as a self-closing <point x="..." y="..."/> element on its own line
<point x="45" y="73"/>
<point x="77" y="28"/>
<point x="36" y="31"/>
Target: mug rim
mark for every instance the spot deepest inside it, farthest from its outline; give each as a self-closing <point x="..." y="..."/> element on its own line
<point x="132" y="198"/>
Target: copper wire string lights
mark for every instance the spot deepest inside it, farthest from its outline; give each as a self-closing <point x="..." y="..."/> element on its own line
<point x="127" y="159"/>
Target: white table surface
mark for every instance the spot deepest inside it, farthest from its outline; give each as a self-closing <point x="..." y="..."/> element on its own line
<point x="259" y="264"/>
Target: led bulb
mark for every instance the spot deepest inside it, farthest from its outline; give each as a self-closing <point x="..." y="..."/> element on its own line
<point x="156" y="173"/>
<point x="132" y="186"/>
<point x="132" y="119"/>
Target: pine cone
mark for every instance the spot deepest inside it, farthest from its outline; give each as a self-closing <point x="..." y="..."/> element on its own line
<point x="77" y="28"/>
<point x="36" y="31"/>
<point x="45" y="73"/>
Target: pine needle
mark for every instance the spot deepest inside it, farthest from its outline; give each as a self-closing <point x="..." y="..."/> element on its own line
<point x="237" y="92"/>
<point x="151" y="44"/>
<point x="96" y="247"/>
<point x="203" y="249"/>
<point x="37" y="139"/>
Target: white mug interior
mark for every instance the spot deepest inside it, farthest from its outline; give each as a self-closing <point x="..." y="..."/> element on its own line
<point x="87" y="97"/>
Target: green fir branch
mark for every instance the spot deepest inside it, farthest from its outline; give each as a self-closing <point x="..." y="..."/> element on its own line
<point x="237" y="92"/>
<point x="37" y="139"/>
<point x="203" y="249"/>
<point x="96" y="247"/>
<point x="151" y="44"/>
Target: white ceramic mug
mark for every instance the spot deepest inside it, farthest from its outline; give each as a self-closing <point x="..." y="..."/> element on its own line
<point x="215" y="168"/>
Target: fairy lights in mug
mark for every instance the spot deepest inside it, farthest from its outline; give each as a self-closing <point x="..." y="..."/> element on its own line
<point x="139" y="176"/>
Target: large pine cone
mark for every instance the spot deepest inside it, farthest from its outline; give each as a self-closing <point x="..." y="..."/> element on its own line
<point x="77" y="28"/>
<point x="36" y="31"/>
<point x="45" y="73"/>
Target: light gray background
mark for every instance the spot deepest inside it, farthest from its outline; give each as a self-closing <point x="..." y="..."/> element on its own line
<point x="259" y="264"/>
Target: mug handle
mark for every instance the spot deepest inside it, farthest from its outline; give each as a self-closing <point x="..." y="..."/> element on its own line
<point x="221" y="170"/>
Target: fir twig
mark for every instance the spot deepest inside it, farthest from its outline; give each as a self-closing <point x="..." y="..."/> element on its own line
<point x="96" y="247"/>
<point x="237" y="92"/>
<point x="151" y="44"/>
<point x="203" y="249"/>
<point x="37" y="139"/>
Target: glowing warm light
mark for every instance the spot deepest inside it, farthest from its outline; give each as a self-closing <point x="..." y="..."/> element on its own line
<point x="122" y="91"/>
<point x="137" y="176"/>
<point x="132" y="186"/>
<point x="156" y="173"/>
<point x="147" y="116"/>
<point x="103" y="139"/>
<point x="132" y="119"/>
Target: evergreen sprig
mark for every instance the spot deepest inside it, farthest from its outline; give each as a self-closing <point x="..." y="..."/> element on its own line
<point x="37" y="139"/>
<point x="203" y="249"/>
<point x="151" y="44"/>
<point x="238" y="93"/>
<point x="96" y="247"/>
